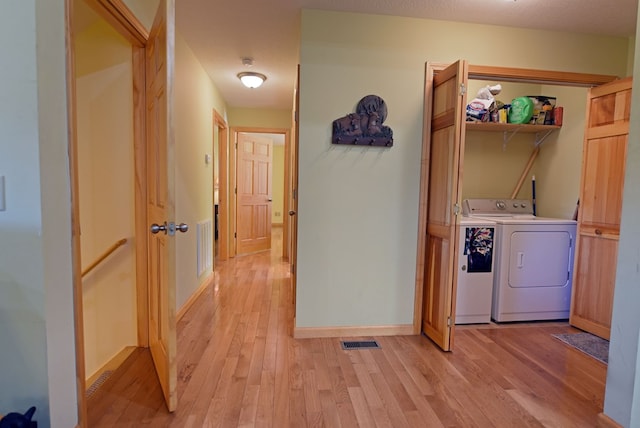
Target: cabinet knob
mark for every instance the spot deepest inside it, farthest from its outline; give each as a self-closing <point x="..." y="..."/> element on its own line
<point x="598" y="232"/>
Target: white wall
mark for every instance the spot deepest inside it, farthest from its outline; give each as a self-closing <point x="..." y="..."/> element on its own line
<point x="106" y="184"/>
<point x="37" y="362"/>
<point x="358" y="206"/>
<point x="622" y="396"/>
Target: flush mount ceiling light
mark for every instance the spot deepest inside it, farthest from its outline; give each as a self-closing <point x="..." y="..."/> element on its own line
<point x="251" y="79"/>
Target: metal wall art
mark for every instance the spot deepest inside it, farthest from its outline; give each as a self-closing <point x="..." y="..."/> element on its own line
<point x="364" y="127"/>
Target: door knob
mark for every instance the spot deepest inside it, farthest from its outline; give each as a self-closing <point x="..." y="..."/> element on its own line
<point x="155" y="228"/>
<point x="269" y="200"/>
<point x="182" y="227"/>
<point x="292" y="213"/>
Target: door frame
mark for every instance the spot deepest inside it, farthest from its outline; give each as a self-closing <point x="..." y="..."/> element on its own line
<point x="476" y="72"/>
<point x="233" y="180"/>
<point x="125" y="23"/>
<point x="220" y="126"/>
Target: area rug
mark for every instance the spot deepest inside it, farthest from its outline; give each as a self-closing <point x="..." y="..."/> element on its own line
<point x="588" y="343"/>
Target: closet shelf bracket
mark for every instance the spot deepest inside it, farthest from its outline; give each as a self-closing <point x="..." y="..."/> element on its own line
<point x="541" y="136"/>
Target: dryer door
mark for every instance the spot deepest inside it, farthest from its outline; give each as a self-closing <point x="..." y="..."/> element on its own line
<point x="540" y="259"/>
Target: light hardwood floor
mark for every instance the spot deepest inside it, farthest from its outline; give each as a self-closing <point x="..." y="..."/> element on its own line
<point x="239" y="366"/>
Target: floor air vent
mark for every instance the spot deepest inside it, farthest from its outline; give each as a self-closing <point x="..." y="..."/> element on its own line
<point x="98" y="383"/>
<point x="354" y="344"/>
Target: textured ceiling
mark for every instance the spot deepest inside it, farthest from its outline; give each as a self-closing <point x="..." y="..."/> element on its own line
<point x="221" y="32"/>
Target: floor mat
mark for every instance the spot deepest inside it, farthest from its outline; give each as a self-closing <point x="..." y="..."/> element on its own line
<point x="591" y="345"/>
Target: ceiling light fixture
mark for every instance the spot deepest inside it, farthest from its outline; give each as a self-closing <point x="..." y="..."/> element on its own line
<point x="251" y="79"/>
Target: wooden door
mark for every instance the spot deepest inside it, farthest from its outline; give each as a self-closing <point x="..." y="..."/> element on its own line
<point x="255" y="156"/>
<point x="160" y="199"/>
<point x="603" y="164"/>
<point x="445" y="114"/>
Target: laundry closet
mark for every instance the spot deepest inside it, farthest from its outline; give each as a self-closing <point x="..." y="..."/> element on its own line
<point x="495" y="161"/>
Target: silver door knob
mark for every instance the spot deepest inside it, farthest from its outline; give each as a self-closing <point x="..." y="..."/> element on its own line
<point x="292" y="213"/>
<point x="182" y="227"/>
<point x="155" y="228"/>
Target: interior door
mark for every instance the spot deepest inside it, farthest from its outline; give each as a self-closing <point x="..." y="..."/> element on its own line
<point x="603" y="165"/>
<point x="255" y="155"/>
<point x="446" y="150"/>
<point x="160" y="199"/>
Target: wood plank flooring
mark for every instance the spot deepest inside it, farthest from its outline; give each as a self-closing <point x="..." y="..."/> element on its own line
<point x="239" y="367"/>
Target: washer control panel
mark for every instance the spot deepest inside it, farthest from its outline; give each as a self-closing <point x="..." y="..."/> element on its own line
<point x="496" y="207"/>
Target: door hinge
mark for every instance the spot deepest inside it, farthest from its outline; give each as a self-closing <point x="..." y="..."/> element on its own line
<point x="235" y="190"/>
<point x="463" y="89"/>
<point x="456" y="209"/>
<point x="448" y="321"/>
<point x="296" y="116"/>
<point x="235" y="234"/>
<point x="293" y="269"/>
<point x="295" y="193"/>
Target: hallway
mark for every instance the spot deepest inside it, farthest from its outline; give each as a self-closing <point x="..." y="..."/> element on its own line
<point x="239" y="366"/>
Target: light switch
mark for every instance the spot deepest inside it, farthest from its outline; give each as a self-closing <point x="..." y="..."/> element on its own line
<point x="2" y="204"/>
<point x="207" y="158"/>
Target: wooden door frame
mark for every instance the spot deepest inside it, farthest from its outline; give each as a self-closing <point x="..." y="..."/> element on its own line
<point x="126" y="24"/>
<point x="477" y="72"/>
<point x="233" y="200"/>
<point x="220" y="126"/>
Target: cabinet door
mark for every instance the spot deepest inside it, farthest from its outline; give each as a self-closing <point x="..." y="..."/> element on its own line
<point x="445" y="118"/>
<point x="603" y="161"/>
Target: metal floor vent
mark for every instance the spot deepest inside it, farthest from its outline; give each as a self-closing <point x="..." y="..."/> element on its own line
<point x="363" y="344"/>
<point x="98" y="383"/>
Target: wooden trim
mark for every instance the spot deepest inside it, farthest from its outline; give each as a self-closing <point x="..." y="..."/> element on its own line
<point x="194" y="296"/>
<point x="140" y="194"/>
<point x="223" y="189"/>
<point x="388" y="330"/>
<point x="78" y="313"/>
<point x="118" y="15"/>
<point x="524" y="75"/>
<point x="111" y="365"/>
<point x="286" y="192"/>
<point x="605" y="421"/>
<point x="430" y="70"/>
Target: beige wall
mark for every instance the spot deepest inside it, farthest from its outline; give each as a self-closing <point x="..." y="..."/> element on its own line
<point x="195" y="99"/>
<point x="106" y="184"/>
<point x="358" y="206"/>
<point x="259" y="118"/>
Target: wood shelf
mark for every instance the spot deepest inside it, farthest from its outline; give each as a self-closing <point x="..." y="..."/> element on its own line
<point x="509" y="127"/>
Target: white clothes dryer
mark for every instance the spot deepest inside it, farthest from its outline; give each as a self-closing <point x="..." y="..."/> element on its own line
<point x="534" y="260"/>
<point x="476" y="263"/>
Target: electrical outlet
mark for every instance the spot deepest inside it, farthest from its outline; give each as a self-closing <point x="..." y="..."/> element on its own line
<point x="278" y="213"/>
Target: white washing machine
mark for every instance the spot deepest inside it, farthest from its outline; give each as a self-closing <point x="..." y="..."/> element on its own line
<point x="534" y="260"/>
<point x="475" y="271"/>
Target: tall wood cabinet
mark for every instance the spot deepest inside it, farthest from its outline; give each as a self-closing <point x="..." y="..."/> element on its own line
<point x="603" y="164"/>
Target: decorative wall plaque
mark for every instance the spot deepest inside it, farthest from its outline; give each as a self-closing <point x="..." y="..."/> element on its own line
<point x="364" y="127"/>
